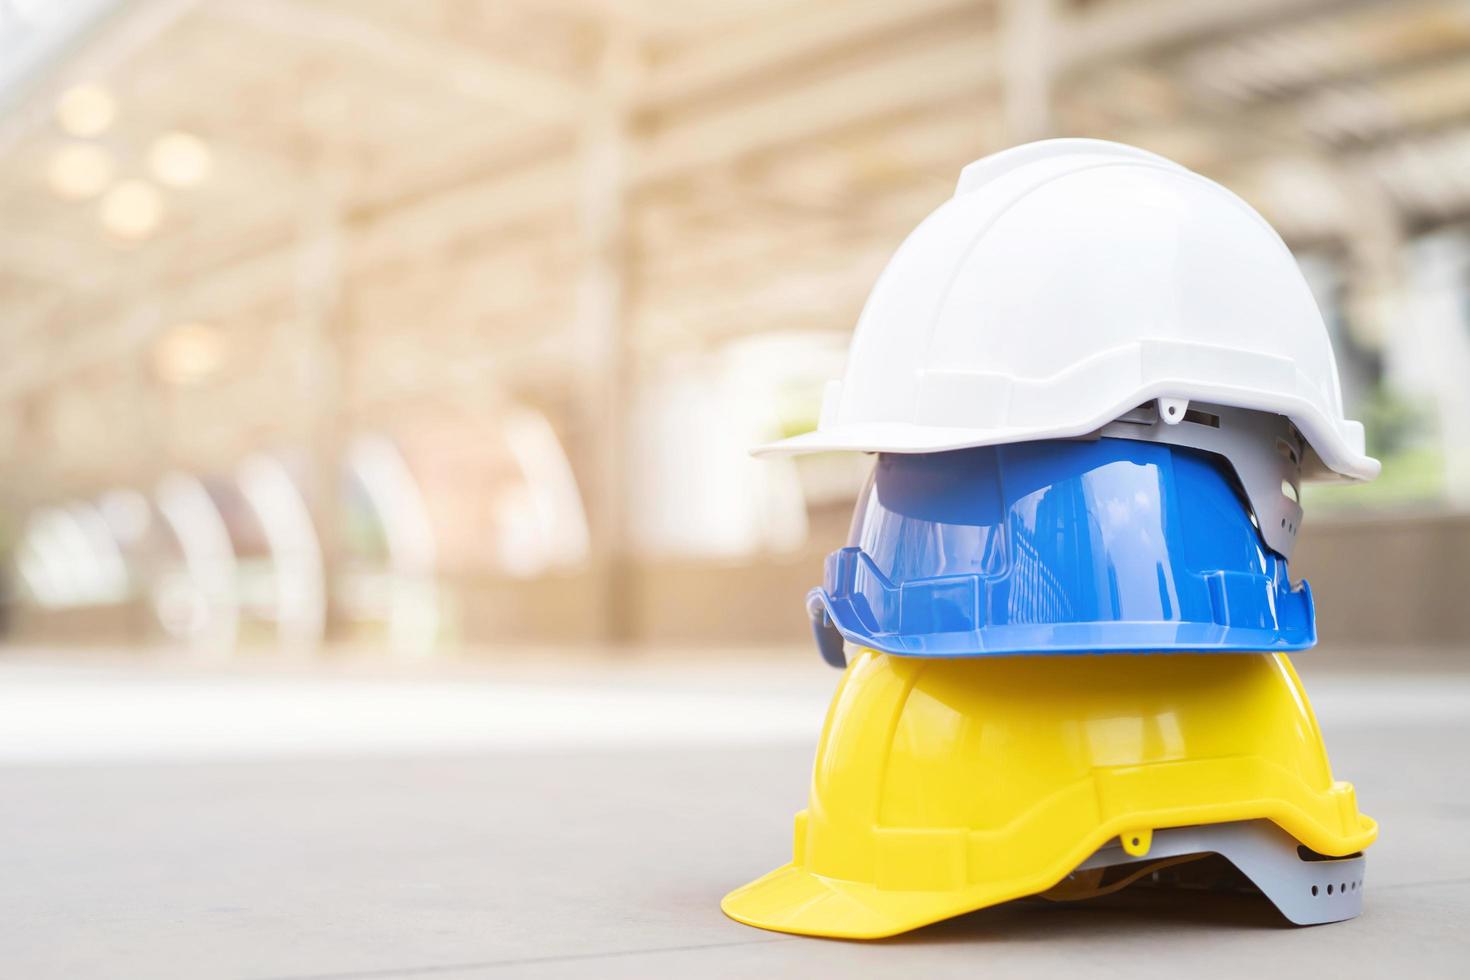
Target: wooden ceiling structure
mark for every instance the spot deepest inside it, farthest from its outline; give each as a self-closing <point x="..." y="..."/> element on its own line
<point x="465" y="203"/>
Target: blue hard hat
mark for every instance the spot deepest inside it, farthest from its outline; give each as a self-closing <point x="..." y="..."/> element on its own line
<point x="1085" y="546"/>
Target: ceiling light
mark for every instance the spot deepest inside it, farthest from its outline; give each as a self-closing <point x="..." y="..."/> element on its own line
<point x="179" y="159"/>
<point x="189" y="353"/>
<point x="80" y="170"/>
<point x="132" y="209"/>
<point x="86" y="110"/>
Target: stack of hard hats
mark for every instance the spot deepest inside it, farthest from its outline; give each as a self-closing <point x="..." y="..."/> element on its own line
<point x="1095" y="382"/>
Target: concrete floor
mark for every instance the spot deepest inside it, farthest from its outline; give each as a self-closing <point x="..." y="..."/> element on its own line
<point x="167" y="820"/>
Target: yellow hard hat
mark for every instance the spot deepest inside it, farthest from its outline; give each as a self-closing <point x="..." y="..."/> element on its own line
<point x="944" y="786"/>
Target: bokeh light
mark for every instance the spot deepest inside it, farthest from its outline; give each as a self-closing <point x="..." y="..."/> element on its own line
<point x="80" y="170"/>
<point x="132" y="209"/>
<point x="189" y="353"/>
<point x="86" y="110"/>
<point x="179" y="159"/>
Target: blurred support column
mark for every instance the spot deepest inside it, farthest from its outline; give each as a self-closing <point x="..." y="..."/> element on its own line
<point x="1428" y="353"/>
<point x="1375" y="288"/>
<point x="605" y="368"/>
<point x="1027" y="55"/>
<point x="320" y="378"/>
<point x="1373" y="234"/>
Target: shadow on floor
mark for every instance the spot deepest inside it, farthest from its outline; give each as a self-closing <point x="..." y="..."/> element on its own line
<point x="1140" y="911"/>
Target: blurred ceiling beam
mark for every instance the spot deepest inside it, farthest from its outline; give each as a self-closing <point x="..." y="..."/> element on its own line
<point x="926" y="75"/>
<point x="1320" y="51"/>
<point x="898" y="78"/>
<point x="522" y="194"/>
<point x="601" y="331"/>
<point x="1425" y="176"/>
<point x="1391" y="104"/>
<point x="436" y="61"/>
<point x="25" y="318"/>
<point x="421" y="228"/>
<point x="736" y="57"/>
<point x="222" y="295"/>
<point x="893" y="82"/>
<point x="531" y="373"/>
<point x="1102" y="32"/>
<point x="674" y="269"/>
<point x="45" y="259"/>
<point x="801" y="301"/>
<point x="912" y="74"/>
<point x="1105" y="32"/>
<point x="1411" y="102"/>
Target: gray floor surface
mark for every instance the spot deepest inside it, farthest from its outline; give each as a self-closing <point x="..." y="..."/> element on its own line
<point x="503" y="855"/>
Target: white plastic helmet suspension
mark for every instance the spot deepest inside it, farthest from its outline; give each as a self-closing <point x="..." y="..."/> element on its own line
<point x="1266" y="451"/>
<point x="1066" y="283"/>
<point x="1307" y="888"/>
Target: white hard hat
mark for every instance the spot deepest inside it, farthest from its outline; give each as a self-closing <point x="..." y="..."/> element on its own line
<point x="1066" y="284"/>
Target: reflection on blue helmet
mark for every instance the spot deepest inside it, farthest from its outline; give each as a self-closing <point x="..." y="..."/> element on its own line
<point x="1058" y="547"/>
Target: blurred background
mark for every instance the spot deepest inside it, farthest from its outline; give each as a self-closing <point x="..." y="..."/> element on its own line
<point x="376" y="382"/>
<point x="434" y="329"/>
